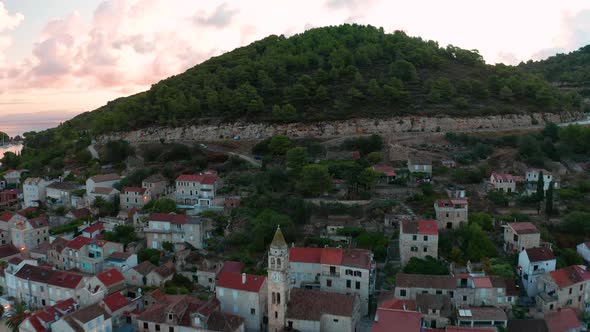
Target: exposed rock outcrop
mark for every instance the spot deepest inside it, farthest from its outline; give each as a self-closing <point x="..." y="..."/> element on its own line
<point x="385" y="126"/>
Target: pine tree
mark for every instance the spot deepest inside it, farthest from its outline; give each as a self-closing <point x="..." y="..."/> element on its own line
<point x="549" y="200"/>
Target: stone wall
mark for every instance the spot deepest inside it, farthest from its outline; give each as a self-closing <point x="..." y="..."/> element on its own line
<point x="328" y="129"/>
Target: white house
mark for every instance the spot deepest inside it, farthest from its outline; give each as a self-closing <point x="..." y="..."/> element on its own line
<point x="13" y="176"/>
<point x="103" y="180"/>
<point x="532" y="263"/>
<point x="174" y="228"/>
<point x="34" y="191"/>
<point x="60" y="193"/>
<point x="532" y="177"/>
<point x="584" y="250"/>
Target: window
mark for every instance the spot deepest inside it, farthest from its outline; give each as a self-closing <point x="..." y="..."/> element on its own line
<point x="414" y="249"/>
<point x="439" y="291"/>
<point x="335" y="320"/>
<point x="569" y="302"/>
<point x="581" y="287"/>
<point x="252" y="311"/>
<point x="157" y="327"/>
<point x="279" y="262"/>
<point x="551" y="307"/>
<point x="358" y="285"/>
<point x="414" y="237"/>
<point x="402" y="292"/>
<point x="278" y="298"/>
<point x="451" y="294"/>
<point x="535" y="267"/>
<point x="570" y="290"/>
<point x="348" y="283"/>
<point x="276" y="314"/>
<point x="348" y="272"/>
<point x="425" y="237"/>
<point x="145" y="325"/>
<point x="464" y="298"/>
<point x="425" y="249"/>
<point x="358" y="274"/>
<point x="170" y="316"/>
<point x="274" y="297"/>
<point x="332" y="270"/>
<point x="329" y="283"/>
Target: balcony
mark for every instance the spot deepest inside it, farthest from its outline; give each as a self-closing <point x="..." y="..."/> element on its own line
<point x="331" y="274"/>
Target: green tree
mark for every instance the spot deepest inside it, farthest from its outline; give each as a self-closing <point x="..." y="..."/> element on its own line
<point x="314" y="180"/>
<point x="20" y="313"/>
<point x="163" y="205"/>
<point x="297" y="158"/>
<point x="506" y="93"/>
<point x="403" y="70"/>
<point x="375" y="157"/>
<point x="265" y="224"/>
<point x="368" y="177"/>
<point x="168" y="246"/>
<point x="151" y="255"/>
<point x="429" y="265"/>
<point x="483" y="219"/>
<point x="549" y="200"/>
<point x="279" y="145"/>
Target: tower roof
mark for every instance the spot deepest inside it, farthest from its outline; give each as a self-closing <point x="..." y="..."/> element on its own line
<point x="279" y="240"/>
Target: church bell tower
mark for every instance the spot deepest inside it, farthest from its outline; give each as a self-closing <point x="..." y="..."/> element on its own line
<point x="278" y="282"/>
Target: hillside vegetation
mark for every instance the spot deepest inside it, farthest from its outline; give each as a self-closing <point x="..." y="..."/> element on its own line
<point x="570" y="70"/>
<point x="332" y="73"/>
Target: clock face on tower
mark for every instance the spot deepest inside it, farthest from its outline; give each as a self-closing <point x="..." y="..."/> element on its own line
<point x="275" y="277"/>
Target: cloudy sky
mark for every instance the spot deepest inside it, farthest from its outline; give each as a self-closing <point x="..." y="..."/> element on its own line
<point x="69" y="56"/>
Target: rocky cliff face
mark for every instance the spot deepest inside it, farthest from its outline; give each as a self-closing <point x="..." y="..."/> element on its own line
<point x="385" y="127"/>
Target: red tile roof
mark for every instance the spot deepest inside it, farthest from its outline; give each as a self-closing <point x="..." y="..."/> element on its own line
<point x="570" y="275"/>
<point x="78" y="242"/>
<point x="15" y="260"/>
<point x="385" y="169"/>
<point x="230" y="266"/>
<point x="30" y="209"/>
<point x="105" y="178"/>
<point x="233" y="280"/>
<point x="115" y="301"/>
<point x="359" y="258"/>
<point x="39" y="222"/>
<point x="170" y="217"/>
<point x="505" y="177"/>
<point x="103" y="190"/>
<point x="399" y="304"/>
<point x="562" y="320"/>
<point x="425" y="281"/>
<point x="48" y="276"/>
<point x="93" y="228"/>
<point x="482" y="282"/>
<point x="6" y="216"/>
<point x="539" y="254"/>
<point x="451" y="202"/>
<point x="64" y="279"/>
<point x="138" y="190"/>
<point x="469" y="329"/>
<point x="65" y="306"/>
<point x="390" y="320"/>
<point x="200" y="178"/>
<point x="7" y="250"/>
<point x="80" y="213"/>
<point x="110" y="277"/>
<point x="424" y="227"/>
<point x="305" y="255"/>
<point x="523" y="228"/>
<point x="331" y="256"/>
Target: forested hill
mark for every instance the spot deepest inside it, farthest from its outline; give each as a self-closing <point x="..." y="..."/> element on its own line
<point x="332" y="73"/>
<point x="567" y="70"/>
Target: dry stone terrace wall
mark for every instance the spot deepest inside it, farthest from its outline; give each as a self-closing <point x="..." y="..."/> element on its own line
<point x="329" y="129"/>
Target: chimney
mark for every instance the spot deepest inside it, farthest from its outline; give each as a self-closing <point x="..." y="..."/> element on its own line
<point x="404" y="306"/>
<point x="376" y="318"/>
<point x="243" y="278"/>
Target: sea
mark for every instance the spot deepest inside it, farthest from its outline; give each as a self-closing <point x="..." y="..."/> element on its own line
<point x="13" y="128"/>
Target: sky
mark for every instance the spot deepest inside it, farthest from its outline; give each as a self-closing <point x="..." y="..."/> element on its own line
<point x="65" y="57"/>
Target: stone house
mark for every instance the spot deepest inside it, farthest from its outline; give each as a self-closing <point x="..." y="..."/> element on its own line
<point x="187" y="314"/>
<point x="29" y="233"/>
<point x="504" y="182"/>
<point x="562" y="288"/>
<point x="451" y="213"/>
<point x="174" y="228"/>
<point x="344" y="271"/>
<point x="418" y="239"/>
<point x="436" y="309"/>
<point x="532" y="263"/>
<point x="137" y="276"/>
<point x="482" y="317"/>
<point x="118" y="307"/>
<point x="521" y="235"/>
<point x="12" y="176"/>
<point x="243" y="295"/>
<point x="563" y="320"/>
<point x="313" y="310"/>
<point x="9" y="199"/>
<point x="532" y="177"/>
<point x="122" y="261"/>
<point x="386" y="173"/>
<point x="101" y="181"/>
<point x="109" y="282"/>
<point x="463" y="290"/>
<point x="156" y="184"/>
<point x="419" y="164"/>
<point x="134" y="197"/>
<point x="403" y="320"/>
<point x="158" y="276"/>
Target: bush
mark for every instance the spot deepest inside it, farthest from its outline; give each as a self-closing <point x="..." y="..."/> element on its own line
<point x="429" y="265"/>
<point x="498" y="198"/>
